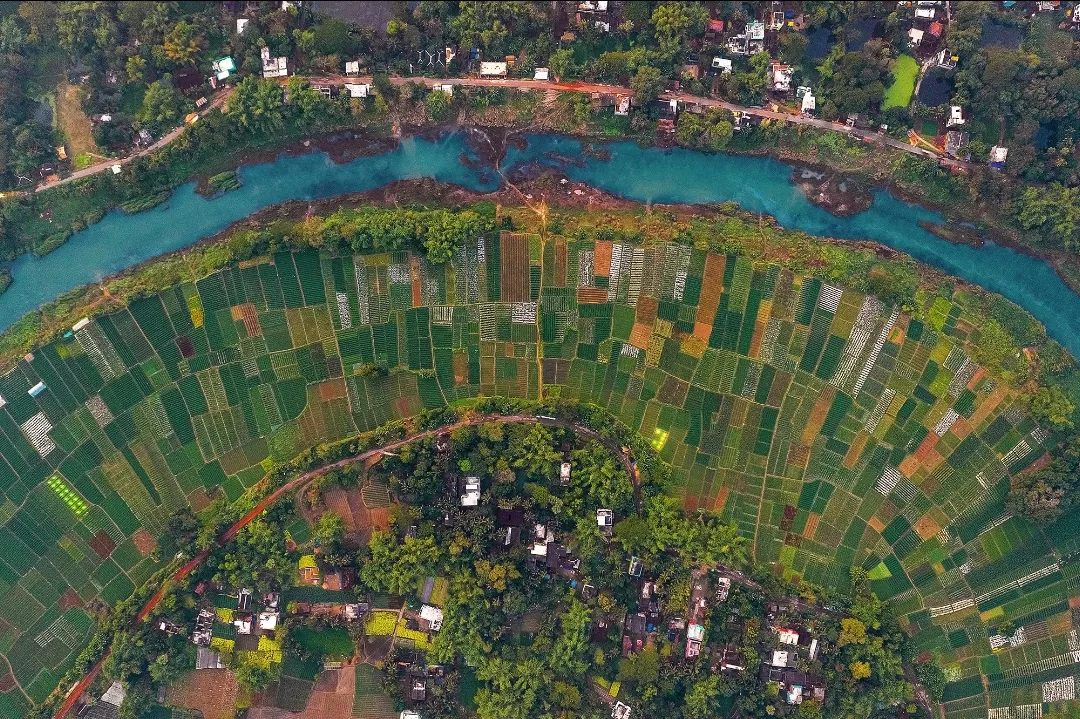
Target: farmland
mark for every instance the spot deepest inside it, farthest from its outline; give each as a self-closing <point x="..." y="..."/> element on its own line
<point x="834" y="430"/>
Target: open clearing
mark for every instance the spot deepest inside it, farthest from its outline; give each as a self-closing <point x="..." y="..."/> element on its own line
<point x="73" y="122"/>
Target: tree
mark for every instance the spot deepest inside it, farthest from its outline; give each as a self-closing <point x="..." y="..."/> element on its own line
<point x="253" y="677"/>
<point x="465" y="617"/>
<point x="932" y="677"/>
<point x="689" y="129"/>
<point x="395" y="567"/>
<point x="860" y="670"/>
<point x="852" y="631"/>
<point x="633" y="534"/>
<point x="601" y="478"/>
<point x="793" y="47"/>
<point x="647" y="84"/>
<point x="565" y="696"/>
<point x="256" y="558"/>
<point x="12" y="37"/>
<point x="512" y="690"/>
<point x="333" y="37"/>
<point x="700" y="699"/>
<point x="752" y="84"/>
<point x="1054" y="211"/>
<point x="183" y="43"/>
<point x="137" y="703"/>
<point x="1043" y="494"/>
<point x="641" y="668"/>
<point x="1035" y="496"/>
<point x="994" y="344"/>
<point x="531" y="449"/>
<point x="162" y="106"/>
<point x="496" y="575"/>
<point x="718" y="127"/>
<point x="562" y="64"/>
<point x="306" y="100"/>
<point x="809" y="709"/>
<point x="855" y="81"/>
<point x="438" y="105"/>
<point x="1052" y="405"/>
<point x="568" y="655"/>
<point x="329" y="529"/>
<point x="675" y="22"/>
<point x="136" y="69"/>
<point x="256" y="106"/>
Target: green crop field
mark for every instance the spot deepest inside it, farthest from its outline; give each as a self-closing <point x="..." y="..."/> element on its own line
<point x="832" y="429"/>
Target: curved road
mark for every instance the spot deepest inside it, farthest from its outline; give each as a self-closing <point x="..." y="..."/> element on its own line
<point x="219" y="98"/>
<point x="868" y="136"/>
<point x="228" y="535"/>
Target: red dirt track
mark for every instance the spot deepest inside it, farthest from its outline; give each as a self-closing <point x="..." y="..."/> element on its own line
<point x="227" y="536"/>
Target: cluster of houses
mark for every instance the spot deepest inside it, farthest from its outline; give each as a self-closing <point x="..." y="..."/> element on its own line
<point x="248" y="620"/>
<point x="788" y="650"/>
<point x="928" y="20"/>
<point x="760" y="34"/>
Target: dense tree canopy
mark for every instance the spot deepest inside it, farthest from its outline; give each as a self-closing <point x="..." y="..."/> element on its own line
<point x="395" y="566"/>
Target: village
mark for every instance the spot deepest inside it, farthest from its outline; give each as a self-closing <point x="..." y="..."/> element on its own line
<point x="729" y="627"/>
<point x="725" y="48"/>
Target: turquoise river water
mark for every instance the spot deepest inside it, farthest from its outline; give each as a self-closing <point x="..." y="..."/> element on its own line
<point x="648" y="175"/>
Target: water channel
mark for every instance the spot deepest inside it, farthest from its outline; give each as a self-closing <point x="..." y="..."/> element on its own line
<point x="645" y="174"/>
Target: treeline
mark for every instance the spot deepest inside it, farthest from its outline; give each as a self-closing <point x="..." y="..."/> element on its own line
<point x="437" y="232"/>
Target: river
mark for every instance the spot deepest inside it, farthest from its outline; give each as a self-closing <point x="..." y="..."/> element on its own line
<point x="119" y="240"/>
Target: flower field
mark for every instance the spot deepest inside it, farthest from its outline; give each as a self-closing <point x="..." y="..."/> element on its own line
<point x="834" y="430"/>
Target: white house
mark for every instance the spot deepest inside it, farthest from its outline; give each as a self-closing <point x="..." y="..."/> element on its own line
<point x="433" y="616"/>
<point x="471" y="498"/>
<point x="273" y="66"/>
<point x="493" y="69"/>
<point x="541" y="73"/>
<point x="358" y="90"/>
<point x="352" y="68"/>
<point x="722" y="64"/>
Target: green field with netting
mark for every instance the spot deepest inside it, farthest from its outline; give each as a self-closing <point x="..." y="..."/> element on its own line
<point x="834" y="430"/>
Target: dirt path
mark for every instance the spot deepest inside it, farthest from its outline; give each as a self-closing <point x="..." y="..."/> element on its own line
<point x="583" y="87"/>
<point x="220" y="98"/>
<point x="80" y="688"/>
<point x="11" y="671"/>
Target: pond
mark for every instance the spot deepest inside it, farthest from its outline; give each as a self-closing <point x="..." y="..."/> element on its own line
<point x="998" y="35"/>
<point x="819" y="43"/>
<point x="859" y="32"/>
<point x="936" y="88"/>
<point x="643" y="174"/>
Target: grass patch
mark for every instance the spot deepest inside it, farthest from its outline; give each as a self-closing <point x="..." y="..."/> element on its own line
<point x="326" y="642"/>
<point x="905" y="72"/>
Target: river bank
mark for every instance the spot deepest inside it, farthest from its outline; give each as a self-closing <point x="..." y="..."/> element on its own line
<point x="596" y="175"/>
<point x="566" y="202"/>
